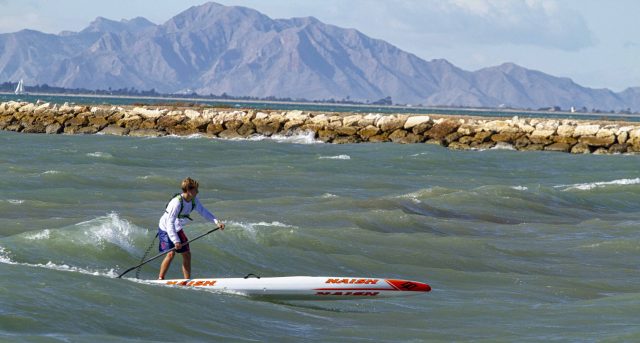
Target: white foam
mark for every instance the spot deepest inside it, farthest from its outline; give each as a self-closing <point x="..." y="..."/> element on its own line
<point x="297" y="138"/>
<point x="99" y="154"/>
<point x="503" y="146"/>
<point x="328" y="196"/>
<point x="45" y="234"/>
<point x="51" y="172"/>
<point x="252" y="228"/>
<point x="191" y="136"/>
<point x="520" y="188"/>
<point x="338" y="157"/>
<point x="4" y="258"/>
<point x="112" y="229"/>
<point x="592" y="185"/>
<point x="415" y="196"/>
<point x="15" y="201"/>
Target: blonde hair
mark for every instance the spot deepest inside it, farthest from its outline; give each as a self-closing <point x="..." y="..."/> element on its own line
<point x="189" y="183"/>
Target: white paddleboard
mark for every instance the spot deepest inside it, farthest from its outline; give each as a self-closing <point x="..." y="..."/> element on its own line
<point x="306" y="287"/>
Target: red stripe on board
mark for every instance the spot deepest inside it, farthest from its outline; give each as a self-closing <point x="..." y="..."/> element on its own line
<point x="411" y="286"/>
<point x="354" y="289"/>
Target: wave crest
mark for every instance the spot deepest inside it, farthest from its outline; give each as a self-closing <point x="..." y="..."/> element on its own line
<point x="592" y="185"/>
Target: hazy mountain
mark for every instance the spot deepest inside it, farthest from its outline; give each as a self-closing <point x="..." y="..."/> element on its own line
<point x="235" y="50"/>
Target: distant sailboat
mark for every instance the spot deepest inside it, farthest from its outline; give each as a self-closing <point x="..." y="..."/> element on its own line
<point x="20" y="88"/>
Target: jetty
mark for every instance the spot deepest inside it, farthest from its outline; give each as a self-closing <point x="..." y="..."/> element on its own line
<point x="455" y="132"/>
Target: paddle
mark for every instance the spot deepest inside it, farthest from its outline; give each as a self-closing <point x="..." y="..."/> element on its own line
<point x="166" y="252"/>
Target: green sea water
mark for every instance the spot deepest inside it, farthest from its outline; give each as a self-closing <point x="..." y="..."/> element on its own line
<point x="517" y="246"/>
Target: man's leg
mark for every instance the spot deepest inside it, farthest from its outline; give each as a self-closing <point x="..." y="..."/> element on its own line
<point x="164" y="267"/>
<point x="186" y="264"/>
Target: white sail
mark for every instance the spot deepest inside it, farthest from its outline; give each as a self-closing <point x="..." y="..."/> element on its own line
<point x="20" y="88"/>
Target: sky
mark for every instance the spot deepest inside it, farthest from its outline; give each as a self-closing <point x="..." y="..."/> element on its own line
<point x="596" y="43"/>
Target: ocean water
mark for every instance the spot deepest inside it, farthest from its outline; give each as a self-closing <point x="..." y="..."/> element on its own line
<point x="533" y="246"/>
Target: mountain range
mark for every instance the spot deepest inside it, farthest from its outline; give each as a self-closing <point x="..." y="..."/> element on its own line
<point x="216" y="49"/>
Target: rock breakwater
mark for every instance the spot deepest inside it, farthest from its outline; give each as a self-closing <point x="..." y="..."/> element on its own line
<point x="456" y="132"/>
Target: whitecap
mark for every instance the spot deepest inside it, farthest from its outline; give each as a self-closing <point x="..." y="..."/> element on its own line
<point x="328" y="196"/>
<point x="111" y="229"/>
<point x="592" y="185"/>
<point x="503" y="146"/>
<point x="297" y="138"/>
<point x="51" y="172"/>
<point x="415" y="196"/>
<point x="4" y="258"/>
<point x="45" y="234"/>
<point x="520" y="188"/>
<point x="338" y="157"/>
<point x="15" y="201"/>
<point x="252" y="228"/>
<point x="99" y="154"/>
<point x="191" y="136"/>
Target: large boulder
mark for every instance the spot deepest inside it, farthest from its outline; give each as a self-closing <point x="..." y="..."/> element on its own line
<point x="247" y="129"/>
<point x="320" y="121"/>
<point x="352" y="120"/>
<point x="415" y="121"/>
<point x="441" y="129"/>
<point x="98" y="122"/>
<point x="370" y="119"/>
<point x="214" y="128"/>
<point x="580" y="148"/>
<point x="586" y="130"/>
<point x="267" y="127"/>
<point x="542" y="136"/>
<point x="192" y="114"/>
<point x="147" y="133"/>
<point x="34" y="128"/>
<point x="345" y="140"/>
<point x="130" y="122"/>
<point x="115" y="130"/>
<point x="327" y="135"/>
<point x="397" y="135"/>
<point x="168" y="121"/>
<point x="346" y="130"/>
<point x="562" y="147"/>
<point x="506" y="136"/>
<point x="597" y="141"/>
<point x="566" y="130"/>
<point x="617" y="149"/>
<point x="367" y="132"/>
<point x="390" y="123"/>
<point x="54" y="128"/>
<point x="147" y="113"/>
<point x="293" y="124"/>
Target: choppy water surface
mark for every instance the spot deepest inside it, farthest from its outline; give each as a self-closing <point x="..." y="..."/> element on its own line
<point x="517" y="246"/>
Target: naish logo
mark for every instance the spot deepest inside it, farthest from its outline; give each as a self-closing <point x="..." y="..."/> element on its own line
<point x="199" y="283"/>
<point x="354" y="294"/>
<point x="354" y="281"/>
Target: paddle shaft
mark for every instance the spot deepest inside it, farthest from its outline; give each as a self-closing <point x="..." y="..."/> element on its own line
<point x="166" y="252"/>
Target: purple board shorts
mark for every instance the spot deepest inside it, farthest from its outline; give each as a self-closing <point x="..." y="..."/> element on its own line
<point x="166" y="243"/>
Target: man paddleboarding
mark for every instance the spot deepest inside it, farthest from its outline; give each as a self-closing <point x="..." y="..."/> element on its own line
<point x="170" y="228"/>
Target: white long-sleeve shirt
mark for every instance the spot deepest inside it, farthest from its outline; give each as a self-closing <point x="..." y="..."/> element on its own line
<point x="171" y="224"/>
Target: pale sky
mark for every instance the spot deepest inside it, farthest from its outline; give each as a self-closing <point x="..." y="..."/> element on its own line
<point x="594" y="42"/>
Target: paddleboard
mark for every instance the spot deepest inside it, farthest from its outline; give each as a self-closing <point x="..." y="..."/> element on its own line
<point x="305" y="287"/>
